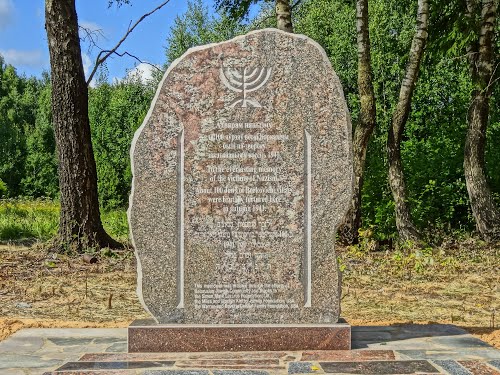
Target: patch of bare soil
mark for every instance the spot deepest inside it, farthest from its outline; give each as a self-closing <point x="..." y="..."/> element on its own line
<point x="46" y="290"/>
<point x="8" y="326"/>
<point x="457" y="285"/>
<point x="453" y="286"/>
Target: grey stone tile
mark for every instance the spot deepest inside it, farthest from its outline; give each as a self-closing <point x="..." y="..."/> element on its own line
<point x="12" y="371"/>
<point x="458" y="342"/>
<point x="39" y="371"/>
<point x="118" y="347"/>
<point x="414" y="344"/>
<point x="460" y="354"/>
<point x="69" y="341"/>
<point x="8" y="361"/>
<point x="239" y="372"/>
<point x="72" y="332"/>
<point x="361" y="329"/>
<point x="430" y="330"/>
<point x="301" y="368"/>
<point x="452" y="367"/>
<point x="21" y="344"/>
<point x="371" y="336"/>
<point x="495" y="363"/>
<point x="61" y="357"/>
<point x="108" y="340"/>
<point x="424" y="354"/>
<point x="176" y="372"/>
<point x="379" y="367"/>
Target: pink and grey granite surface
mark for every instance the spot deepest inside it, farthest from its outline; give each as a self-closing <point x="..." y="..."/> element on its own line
<point x="145" y="338"/>
<point x="242" y="172"/>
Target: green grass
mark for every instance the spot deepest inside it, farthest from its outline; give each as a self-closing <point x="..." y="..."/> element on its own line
<point x="116" y="224"/>
<point x="22" y="220"/>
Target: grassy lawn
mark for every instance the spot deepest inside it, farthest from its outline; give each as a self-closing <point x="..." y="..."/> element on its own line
<point x="31" y="221"/>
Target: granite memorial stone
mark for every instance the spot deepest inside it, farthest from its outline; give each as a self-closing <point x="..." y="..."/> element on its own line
<point x="242" y="172"/>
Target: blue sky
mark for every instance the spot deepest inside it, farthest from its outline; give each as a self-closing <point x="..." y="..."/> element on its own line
<point x="23" y="42"/>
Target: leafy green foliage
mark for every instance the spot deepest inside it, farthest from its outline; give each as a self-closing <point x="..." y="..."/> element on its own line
<point x="27" y="148"/>
<point x="115" y="112"/>
<point x="3" y="189"/>
<point x="236" y="9"/>
<point x="196" y="27"/>
<point x="40" y="179"/>
<point x="12" y="121"/>
<point x="432" y="149"/>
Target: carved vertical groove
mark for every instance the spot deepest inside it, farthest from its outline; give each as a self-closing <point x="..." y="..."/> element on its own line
<point x="180" y="235"/>
<point x="307" y="220"/>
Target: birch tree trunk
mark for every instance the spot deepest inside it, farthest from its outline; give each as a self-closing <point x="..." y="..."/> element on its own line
<point x="406" y="229"/>
<point x="284" y="15"/>
<point x="80" y="223"/>
<point x="481" y="56"/>
<point x="365" y="126"/>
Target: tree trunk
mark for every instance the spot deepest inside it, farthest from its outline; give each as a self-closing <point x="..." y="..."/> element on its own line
<point x="404" y="223"/>
<point x="365" y="126"/>
<point x="284" y="15"/>
<point x="481" y="57"/>
<point x="80" y="222"/>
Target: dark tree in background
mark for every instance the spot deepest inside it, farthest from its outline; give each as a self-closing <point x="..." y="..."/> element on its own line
<point x="483" y="64"/>
<point x="406" y="228"/>
<point x="239" y="9"/>
<point x="365" y="125"/>
<point x="80" y="223"/>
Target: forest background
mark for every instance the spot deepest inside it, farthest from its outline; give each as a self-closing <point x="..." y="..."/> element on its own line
<point x="432" y="147"/>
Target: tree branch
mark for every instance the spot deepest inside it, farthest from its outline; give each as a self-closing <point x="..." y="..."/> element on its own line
<point x="296" y="3"/>
<point x="136" y="58"/>
<point x="103" y="55"/>
<point x="262" y="21"/>
<point x="90" y="35"/>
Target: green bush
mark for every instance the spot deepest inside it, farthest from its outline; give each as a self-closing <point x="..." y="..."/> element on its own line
<point x="3" y="189"/>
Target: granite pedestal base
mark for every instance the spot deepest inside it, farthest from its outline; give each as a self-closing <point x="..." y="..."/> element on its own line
<point x="146" y="336"/>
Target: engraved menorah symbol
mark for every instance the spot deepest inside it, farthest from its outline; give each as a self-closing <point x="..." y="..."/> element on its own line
<point x="244" y="81"/>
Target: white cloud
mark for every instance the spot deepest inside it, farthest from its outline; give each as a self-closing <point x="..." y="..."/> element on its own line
<point x="6" y="13"/>
<point x="24" y="58"/>
<point x="87" y="62"/>
<point x="142" y="72"/>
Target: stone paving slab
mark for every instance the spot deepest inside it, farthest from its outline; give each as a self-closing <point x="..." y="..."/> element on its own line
<point x="189" y="356"/>
<point x="452" y="367"/>
<point x="115" y="365"/>
<point x="495" y="364"/>
<point x="294" y="368"/>
<point x="479" y="368"/>
<point x="379" y="367"/>
<point x="447" y="348"/>
<point x="349" y="355"/>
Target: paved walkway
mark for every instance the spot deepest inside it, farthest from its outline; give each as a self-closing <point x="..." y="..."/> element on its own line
<point x="408" y="349"/>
